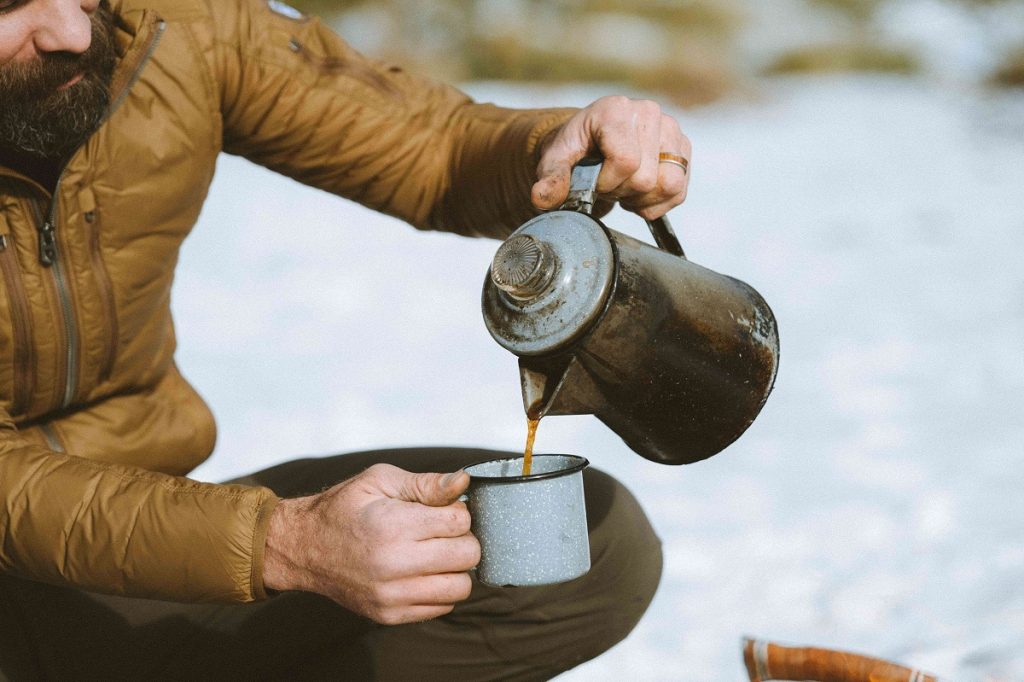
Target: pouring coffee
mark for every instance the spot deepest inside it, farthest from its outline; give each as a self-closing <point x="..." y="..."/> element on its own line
<point x="675" y="358"/>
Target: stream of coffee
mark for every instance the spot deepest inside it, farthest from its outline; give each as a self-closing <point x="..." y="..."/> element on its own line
<point x="531" y="433"/>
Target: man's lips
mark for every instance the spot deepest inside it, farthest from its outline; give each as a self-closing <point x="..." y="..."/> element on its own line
<point x="77" y="77"/>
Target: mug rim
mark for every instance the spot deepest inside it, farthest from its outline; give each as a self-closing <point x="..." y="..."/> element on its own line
<point x="580" y="464"/>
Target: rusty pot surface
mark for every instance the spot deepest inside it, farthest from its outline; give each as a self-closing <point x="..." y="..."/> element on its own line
<point x="675" y="358"/>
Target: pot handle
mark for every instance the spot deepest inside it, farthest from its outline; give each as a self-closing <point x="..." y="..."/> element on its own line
<point x="665" y="236"/>
<point x="583" y="193"/>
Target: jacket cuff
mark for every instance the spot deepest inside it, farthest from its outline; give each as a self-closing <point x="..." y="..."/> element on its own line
<point x="516" y="178"/>
<point x="259" y="545"/>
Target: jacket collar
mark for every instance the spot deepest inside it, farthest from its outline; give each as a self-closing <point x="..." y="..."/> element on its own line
<point x="135" y="35"/>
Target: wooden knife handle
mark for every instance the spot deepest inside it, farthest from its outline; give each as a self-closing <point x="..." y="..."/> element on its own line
<point x="769" y="661"/>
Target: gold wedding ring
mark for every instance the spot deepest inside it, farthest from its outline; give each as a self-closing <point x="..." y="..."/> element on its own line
<point x="675" y="160"/>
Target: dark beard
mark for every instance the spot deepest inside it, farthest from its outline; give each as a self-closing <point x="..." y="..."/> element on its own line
<point x="38" y="119"/>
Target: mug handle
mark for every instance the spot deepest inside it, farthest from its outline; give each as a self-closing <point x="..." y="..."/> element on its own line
<point x="583" y="193"/>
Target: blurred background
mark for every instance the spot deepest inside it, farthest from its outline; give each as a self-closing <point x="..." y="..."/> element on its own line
<point x="859" y="162"/>
<point x="689" y="51"/>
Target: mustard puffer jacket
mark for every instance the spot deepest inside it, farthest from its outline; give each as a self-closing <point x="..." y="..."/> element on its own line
<point x="97" y="426"/>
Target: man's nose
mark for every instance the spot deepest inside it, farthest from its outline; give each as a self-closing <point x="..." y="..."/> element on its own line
<point x="64" y="26"/>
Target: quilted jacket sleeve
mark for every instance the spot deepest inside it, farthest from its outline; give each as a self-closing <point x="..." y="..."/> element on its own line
<point x="297" y="99"/>
<point x="65" y="520"/>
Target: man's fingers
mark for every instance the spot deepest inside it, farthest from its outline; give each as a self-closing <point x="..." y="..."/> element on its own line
<point x="626" y="143"/>
<point x="623" y="157"/>
<point x="416" y="613"/>
<point x="672" y="182"/>
<point x="673" y="140"/>
<point x="435" y="490"/>
<point x="429" y="557"/>
<point x="551" y="190"/>
<point x="425" y="522"/>
<point x="443" y="588"/>
<point x="554" y="171"/>
<point x="419" y="598"/>
<point x="435" y="556"/>
<point x="386" y="528"/>
<point x="444" y="555"/>
<point x="629" y="135"/>
<point x="611" y="127"/>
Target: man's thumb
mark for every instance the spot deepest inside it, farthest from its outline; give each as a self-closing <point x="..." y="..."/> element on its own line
<point x="435" y="490"/>
<point x="569" y="144"/>
<point x="552" y="187"/>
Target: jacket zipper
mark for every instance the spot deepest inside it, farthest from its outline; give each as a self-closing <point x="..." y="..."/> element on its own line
<point x="49" y="255"/>
<point x="150" y="49"/>
<point x="24" y="352"/>
<point x="53" y="440"/>
<point x="106" y="288"/>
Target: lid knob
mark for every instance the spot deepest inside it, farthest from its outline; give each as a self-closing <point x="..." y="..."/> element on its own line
<point x="523" y="267"/>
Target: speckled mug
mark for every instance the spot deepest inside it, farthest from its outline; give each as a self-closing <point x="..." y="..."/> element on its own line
<point x="532" y="529"/>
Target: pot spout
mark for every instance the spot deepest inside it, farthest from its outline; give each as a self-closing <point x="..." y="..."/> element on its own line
<point x="554" y="386"/>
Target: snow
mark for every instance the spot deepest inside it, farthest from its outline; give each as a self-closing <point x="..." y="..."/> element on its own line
<point x="876" y="505"/>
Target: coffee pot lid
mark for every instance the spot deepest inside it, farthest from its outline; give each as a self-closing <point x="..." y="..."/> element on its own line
<point x="548" y="283"/>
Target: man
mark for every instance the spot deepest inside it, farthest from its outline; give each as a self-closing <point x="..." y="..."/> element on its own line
<point x="112" y="563"/>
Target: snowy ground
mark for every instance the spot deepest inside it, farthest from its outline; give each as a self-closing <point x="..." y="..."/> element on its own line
<point x="875" y="505"/>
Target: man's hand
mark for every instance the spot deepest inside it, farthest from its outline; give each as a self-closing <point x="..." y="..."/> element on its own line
<point x="387" y="544"/>
<point x="628" y="134"/>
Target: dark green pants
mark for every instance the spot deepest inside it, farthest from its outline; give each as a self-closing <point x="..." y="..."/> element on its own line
<point x="498" y="633"/>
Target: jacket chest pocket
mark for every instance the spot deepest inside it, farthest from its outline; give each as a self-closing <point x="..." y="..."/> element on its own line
<point x="23" y="351"/>
<point x="104" y="286"/>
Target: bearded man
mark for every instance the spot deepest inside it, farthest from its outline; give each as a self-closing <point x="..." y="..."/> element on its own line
<point x="114" y="564"/>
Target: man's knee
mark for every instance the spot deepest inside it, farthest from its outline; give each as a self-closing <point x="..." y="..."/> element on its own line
<point x="626" y="559"/>
<point x="559" y="626"/>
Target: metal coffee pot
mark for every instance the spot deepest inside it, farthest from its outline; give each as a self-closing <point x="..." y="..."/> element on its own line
<point x="674" y="358"/>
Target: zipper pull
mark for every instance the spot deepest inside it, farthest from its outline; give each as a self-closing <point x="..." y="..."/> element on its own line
<point x="3" y="242"/>
<point x="47" y="244"/>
